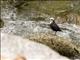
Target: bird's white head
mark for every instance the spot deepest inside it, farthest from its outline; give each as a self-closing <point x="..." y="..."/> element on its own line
<point x="51" y="18"/>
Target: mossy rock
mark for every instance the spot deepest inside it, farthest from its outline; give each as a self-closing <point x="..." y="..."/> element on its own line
<point x="64" y="46"/>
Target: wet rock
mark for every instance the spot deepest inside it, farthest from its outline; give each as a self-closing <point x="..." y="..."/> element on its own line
<point x="64" y="42"/>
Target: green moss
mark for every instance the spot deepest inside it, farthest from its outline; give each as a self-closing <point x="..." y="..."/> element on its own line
<point x="38" y="18"/>
<point x="48" y="7"/>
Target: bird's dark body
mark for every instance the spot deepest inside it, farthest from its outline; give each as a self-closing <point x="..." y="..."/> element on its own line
<point x="54" y="26"/>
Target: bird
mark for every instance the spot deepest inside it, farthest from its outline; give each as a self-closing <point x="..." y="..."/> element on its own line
<point x="54" y="26"/>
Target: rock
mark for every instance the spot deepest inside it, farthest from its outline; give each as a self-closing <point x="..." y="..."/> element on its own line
<point x="15" y="47"/>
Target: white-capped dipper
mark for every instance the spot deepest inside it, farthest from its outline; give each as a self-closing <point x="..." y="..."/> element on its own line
<point x="54" y="26"/>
